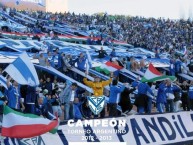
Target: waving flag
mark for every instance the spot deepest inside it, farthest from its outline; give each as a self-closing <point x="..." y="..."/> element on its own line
<point x="109" y="67"/>
<point x="88" y="61"/>
<point x="20" y="125"/>
<point x="153" y="75"/>
<point x="23" y="71"/>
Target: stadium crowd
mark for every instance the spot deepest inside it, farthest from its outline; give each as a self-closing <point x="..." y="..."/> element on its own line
<point x="54" y="96"/>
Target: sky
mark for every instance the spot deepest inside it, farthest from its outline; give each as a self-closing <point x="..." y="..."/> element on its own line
<point x="173" y="9"/>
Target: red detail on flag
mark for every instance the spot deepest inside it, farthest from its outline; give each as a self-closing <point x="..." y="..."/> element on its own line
<point x="108" y="63"/>
<point x="154" y="70"/>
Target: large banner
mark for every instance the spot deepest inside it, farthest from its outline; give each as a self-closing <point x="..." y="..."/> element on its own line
<point x="33" y="5"/>
<point x="171" y="128"/>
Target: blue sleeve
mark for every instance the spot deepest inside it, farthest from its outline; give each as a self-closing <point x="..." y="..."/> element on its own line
<point x="119" y="90"/>
<point x="149" y="90"/>
<point x="134" y="84"/>
<point x="161" y="87"/>
<point x="176" y="89"/>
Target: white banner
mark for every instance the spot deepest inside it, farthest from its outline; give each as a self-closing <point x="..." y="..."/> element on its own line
<point x="171" y="128"/>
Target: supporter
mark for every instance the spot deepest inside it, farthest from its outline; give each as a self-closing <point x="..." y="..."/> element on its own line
<point x="36" y="37"/>
<point x="134" y="64"/>
<point x="142" y="98"/>
<point x="66" y="66"/>
<point x="124" y="62"/>
<point x="157" y="54"/>
<point x="97" y="85"/>
<point x="102" y="53"/>
<point x="41" y="109"/>
<point x="77" y="112"/>
<point x="81" y="61"/>
<point x="55" y="83"/>
<point x="178" y="66"/>
<point x="13" y="95"/>
<point x="125" y="101"/>
<point x="68" y="96"/>
<point x="31" y="99"/>
<point x="184" y="67"/>
<point x="161" y="97"/>
<point x="128" y="64"/>
<point x="58" y="55"/>
<point x="113" y="98"/>
<point x="142" y="64"/>
<point x="170" y="90"/>
<point x="184" y="98"/>
<point x="47" y="100"/>
<point x="48" y="85"/>
<point x="50" y="59"/>
<point x="51" y="48"/>
<point x="190" y="66"/>
<point x="55" y="102"/>
<point x="44" y="48"/>
<point x="113" y="53"/>
<point x="42" y="59"/>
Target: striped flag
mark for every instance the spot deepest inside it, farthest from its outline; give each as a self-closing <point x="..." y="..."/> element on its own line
<point x="20" y="125"/>
<point x="88" y="61"/>
<point x="153" y="75"/>
<point x="23" y="71"/>
<point x="3" y="81"/>
<point x="109" y="67"/>
<point x="52" y="117"/>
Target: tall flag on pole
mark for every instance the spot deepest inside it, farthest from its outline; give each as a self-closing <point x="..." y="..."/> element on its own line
<point x="22" y="70"/>
<point x="88" y="61"/>
<point x="153" y="75"/>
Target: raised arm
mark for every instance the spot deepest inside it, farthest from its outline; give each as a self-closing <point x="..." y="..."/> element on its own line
<point x="105" y="83"/>
<point x="88" y="83"/>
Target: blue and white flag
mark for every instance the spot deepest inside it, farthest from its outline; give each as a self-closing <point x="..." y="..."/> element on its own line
<point x="88" y="61"/>
<point x="22" y="70"/>
<point x="89" y="58"/>
<point x="3" y="81"/>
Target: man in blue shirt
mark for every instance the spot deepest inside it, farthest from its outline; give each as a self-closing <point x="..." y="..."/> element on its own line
<point x="113" y="98"/>
<point x="14" y="96"/>
<point x="142" y="98"/>
<point x="161" y="97"/>
<point x="81" y="61"/>
<point x="113" y="53"/>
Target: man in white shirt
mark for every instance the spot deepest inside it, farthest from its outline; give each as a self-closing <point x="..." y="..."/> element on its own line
<point x="44" y="48"/>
